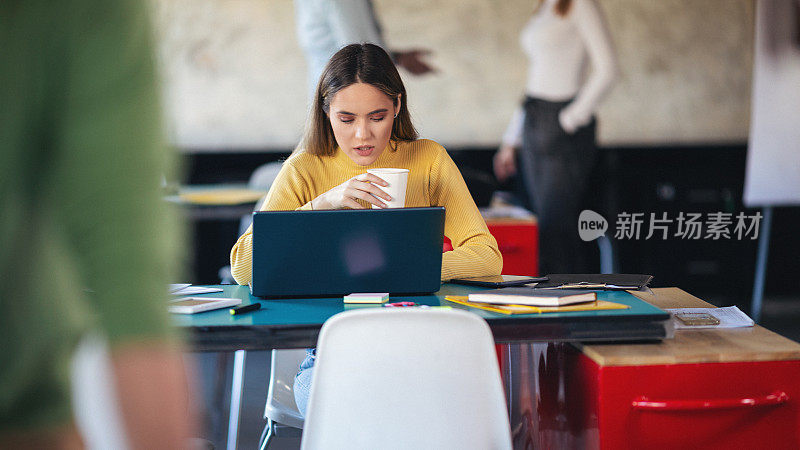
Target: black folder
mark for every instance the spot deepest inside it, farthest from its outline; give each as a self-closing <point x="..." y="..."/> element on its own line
<point x="600" y="281"/>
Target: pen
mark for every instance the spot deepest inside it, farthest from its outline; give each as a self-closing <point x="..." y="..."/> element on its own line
<point x="244" y="309"/>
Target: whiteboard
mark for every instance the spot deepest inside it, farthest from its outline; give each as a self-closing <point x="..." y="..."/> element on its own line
<point x="773" y="160"/>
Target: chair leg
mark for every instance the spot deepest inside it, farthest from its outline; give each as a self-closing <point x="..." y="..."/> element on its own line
<point x="266" y="435"/>
<point x="237" y="382"/>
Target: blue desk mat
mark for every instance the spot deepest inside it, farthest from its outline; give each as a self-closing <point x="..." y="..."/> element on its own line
<point x="315" y="311"/>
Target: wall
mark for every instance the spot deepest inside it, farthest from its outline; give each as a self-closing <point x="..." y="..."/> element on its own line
<point x="235" y="75"/>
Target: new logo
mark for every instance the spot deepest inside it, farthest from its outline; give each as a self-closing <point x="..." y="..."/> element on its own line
<point x="591" y="225"/>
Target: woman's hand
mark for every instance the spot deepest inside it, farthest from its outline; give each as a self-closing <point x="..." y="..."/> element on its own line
<point x="362" y="187"/>
<point x="412" y="61"/>
<point x="505" y="164"/>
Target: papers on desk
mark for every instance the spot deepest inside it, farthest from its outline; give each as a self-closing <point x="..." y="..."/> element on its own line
<point x="603" y="281"/>
<point x="729" y="317"/>
<point x="188" y="289"/>
<point x="177" y="287"/>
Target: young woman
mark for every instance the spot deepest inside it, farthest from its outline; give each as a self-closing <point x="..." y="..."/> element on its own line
<point x="552" y="135"/>
<point x="359" y="120"/>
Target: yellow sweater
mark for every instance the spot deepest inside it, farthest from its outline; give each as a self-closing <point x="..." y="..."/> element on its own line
<point x="433" y="180"/>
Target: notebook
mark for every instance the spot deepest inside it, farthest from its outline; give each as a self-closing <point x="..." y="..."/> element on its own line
<point x="339" y="252"/>
<point x="532" y="296"/>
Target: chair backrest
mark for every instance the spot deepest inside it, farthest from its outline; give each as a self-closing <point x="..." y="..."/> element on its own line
<point x="264" y="175"/>
<point x="406" y="378"/>
<point x="281" y="406"/>
<point x="261" y="178"/>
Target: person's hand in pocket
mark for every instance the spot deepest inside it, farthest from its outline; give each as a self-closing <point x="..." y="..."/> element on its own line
<point x="570" y="121"/>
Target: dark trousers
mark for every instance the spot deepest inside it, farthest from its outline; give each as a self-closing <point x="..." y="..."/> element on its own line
<point x="555" y="167"/>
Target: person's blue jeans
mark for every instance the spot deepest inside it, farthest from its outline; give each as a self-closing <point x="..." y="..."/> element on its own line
<point x="302" y="381"/>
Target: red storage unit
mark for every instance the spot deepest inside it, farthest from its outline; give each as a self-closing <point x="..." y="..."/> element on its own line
<point x="518" y="240"/>
<point x="709" y="389"/>
<point x="705" y="405"/>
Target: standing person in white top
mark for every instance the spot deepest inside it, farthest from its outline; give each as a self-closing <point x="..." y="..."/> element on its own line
<point x="552" y="135"/>
<point x="325" y="26"/>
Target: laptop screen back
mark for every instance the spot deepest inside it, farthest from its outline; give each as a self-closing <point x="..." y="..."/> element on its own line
<point x="339" y="252"/>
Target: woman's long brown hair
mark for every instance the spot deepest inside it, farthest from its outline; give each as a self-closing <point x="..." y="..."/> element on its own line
<point x="355" y="63"/>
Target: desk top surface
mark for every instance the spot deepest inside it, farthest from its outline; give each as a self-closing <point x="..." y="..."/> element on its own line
<point x="295" y="322"/>
<point x="315" y="311"/>
<point x="695" y="346"/>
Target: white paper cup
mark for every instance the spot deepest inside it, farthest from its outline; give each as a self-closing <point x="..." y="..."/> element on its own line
<point x="398" y="180"/>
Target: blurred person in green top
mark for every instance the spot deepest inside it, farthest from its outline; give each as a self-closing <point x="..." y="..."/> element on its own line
<point x="85" y="241"/>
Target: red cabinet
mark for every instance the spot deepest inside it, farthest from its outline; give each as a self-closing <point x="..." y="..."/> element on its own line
<point x="709" y="405"/>
<point x="709" y="389"/>
<point x="518" y="240"/>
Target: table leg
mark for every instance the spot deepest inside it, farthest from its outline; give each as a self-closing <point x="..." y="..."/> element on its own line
<point x="761" y="266"/>
<point x="606" y="254"/>
<point x="237" y="383"/>
<point x="536" y="397"/>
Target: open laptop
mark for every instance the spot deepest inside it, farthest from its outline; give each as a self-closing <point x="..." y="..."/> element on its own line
<point x="339" y="252"/>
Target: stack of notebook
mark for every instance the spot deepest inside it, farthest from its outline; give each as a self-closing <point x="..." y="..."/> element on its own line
<point x="525" y="300"/>
<point x="560" y="293"/>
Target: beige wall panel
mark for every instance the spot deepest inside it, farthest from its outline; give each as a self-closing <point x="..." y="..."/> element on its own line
<point x="235" y="75"/>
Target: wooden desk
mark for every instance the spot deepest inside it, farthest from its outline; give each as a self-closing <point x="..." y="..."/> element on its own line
<point x="695" y="346"/>
<point x="213" y="212"/>
<point x="229" y="201"/>
<point x="725" y="388"/>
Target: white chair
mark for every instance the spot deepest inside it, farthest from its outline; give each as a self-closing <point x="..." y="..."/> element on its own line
<point x="283" y="418"/>
<point x="400" y="378"/>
